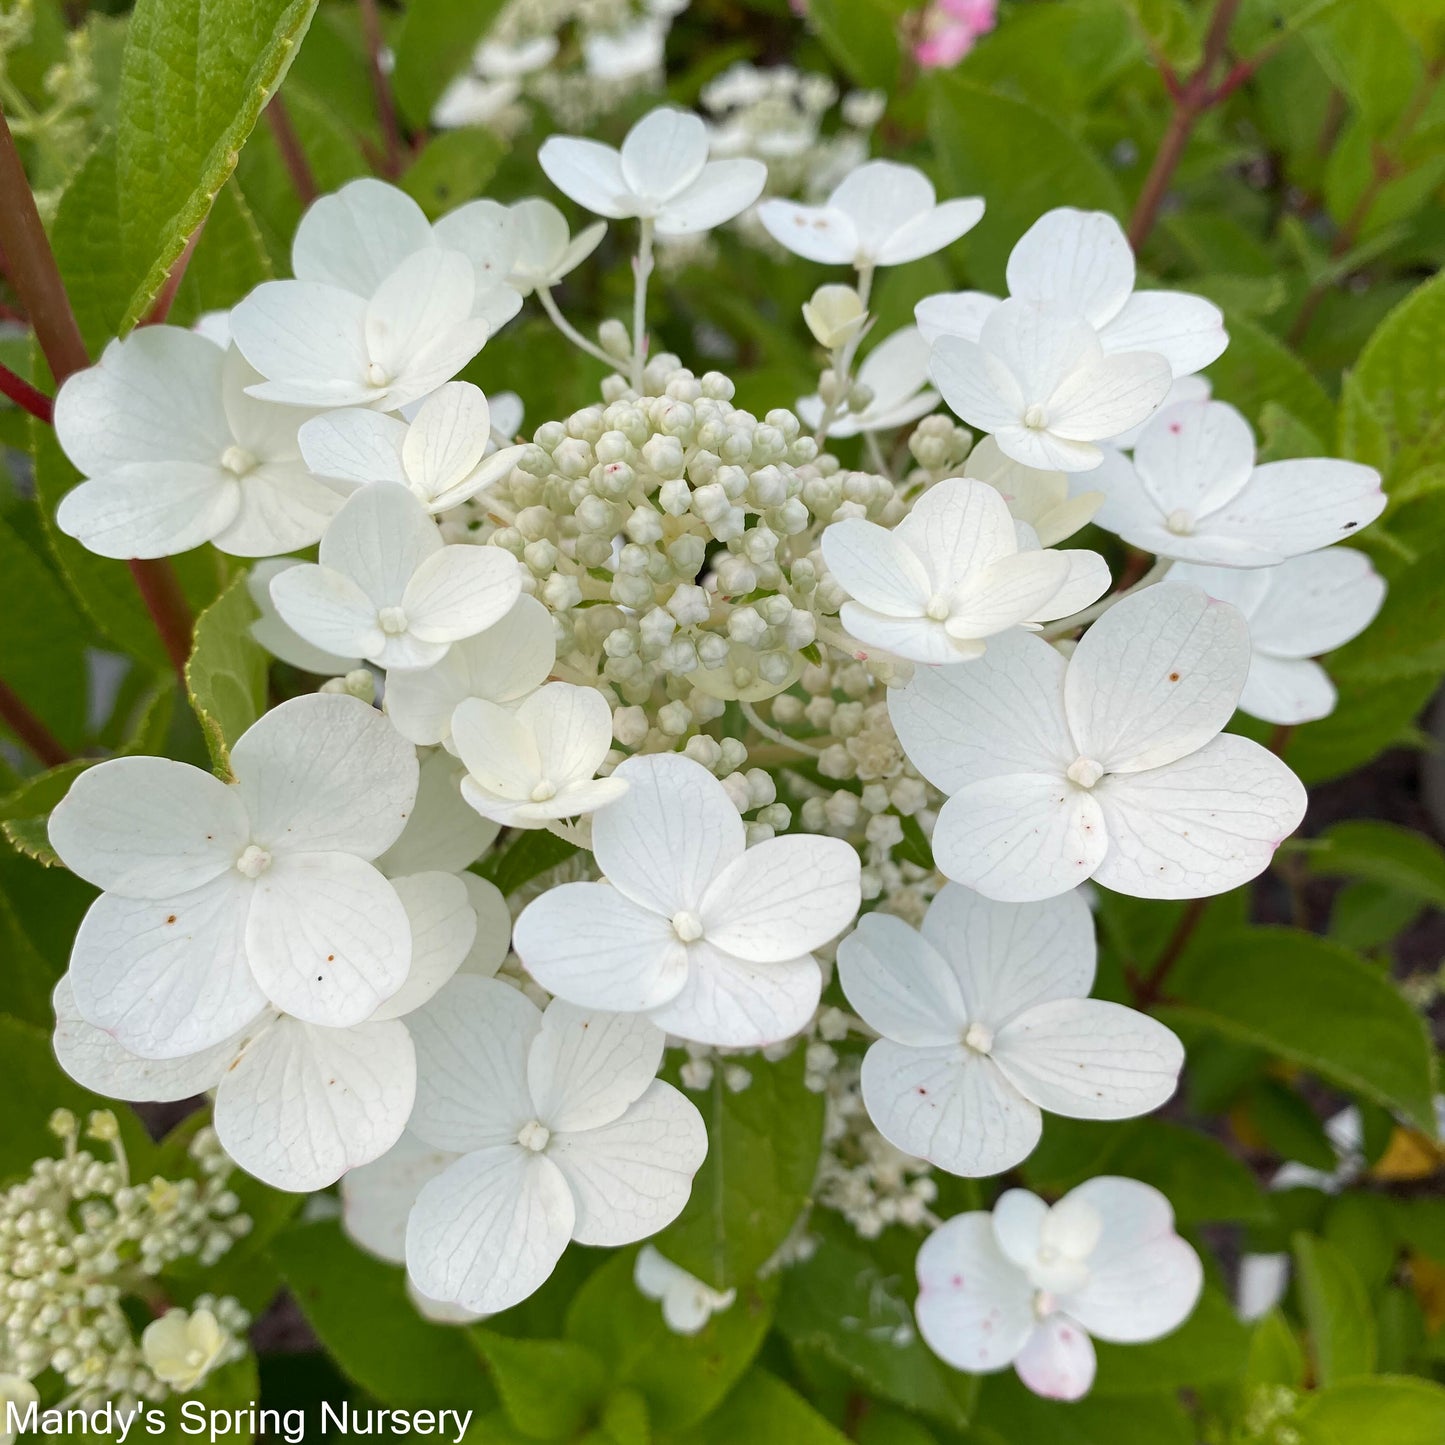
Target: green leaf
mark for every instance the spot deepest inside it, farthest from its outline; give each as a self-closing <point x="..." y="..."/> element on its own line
<point x="1021" y="1418"/>
<point x="1387" y="1410"/>
<point x="1407" y="639"/>
<point x="1407" y="862"/>
<point x="1336" y="1309"/>
<point x="681" y="1377"/>
<point x="1289" y="1125"/>
<point x="454" y="167"/>
<point x="1316" y="1004"/>
<point x="360" y="1310"/>
<point x="1017" y="156"/>
<point x="1275" y="1357"/>
<point x="1362" y="1227"/>
<point x="1256" y="369"/>
<point x="226" y="674"/>
<point x="1392" y="411"/>
<point x="862" y="37"/>
<point x="194" y="78"/>
<point x="1210" y="1348"/>
<point x="764" y="1411"/>
<point x="229" y="260"/>
<point x="548" y="1387"/>
<point x="842" y="1304"/>
<point x="763" y="1145"/>
<point x="433" y="45"/>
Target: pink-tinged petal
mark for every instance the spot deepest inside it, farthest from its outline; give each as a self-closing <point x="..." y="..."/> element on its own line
<point x="488" y="1231"/>
<point x="975" y="1307"/>
<point x="631" y="1177"/>
<point x="1058" y="1360"/>
<point x="1200" y="826"/>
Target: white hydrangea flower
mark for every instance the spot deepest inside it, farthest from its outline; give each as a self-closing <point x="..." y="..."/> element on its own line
<point x="220" y="899"/>
<point x="1029" y="1285"/>
<point x="389" y="590"/>
<point x="711" y="939"/>
<point x="546" y="250"/>
<point x="443" y="455"/>
<point x="1184" y="388"/>
<point x="297" y="1104"/>
<point x="1038" y="378"/>
<point x="895" y="372"/>
<point x="1193" y="493"/>
<point x="511" y="659"/>
<point x="661" y="174"/>
<point x="357" y="236"/>
<point x="443" y="835"/>
<point x="321" y="345"/>
<point x="1081" y="261"/>
<point x="181" y="1348"/>
<point x="1109" y="764"/>
<point x="985" y="1024"/>
<point x="951" y="574"/>
<point x="375" y="1202"/>
<point x="532" y="764"/>
<point x="176" y="454"/>
<point x="284" y="642"/>
<point x="881" y="214"/>
<point x="634" y="51"/>
<point x="687" y="1303"/>
<point x="1040" y="499"/>
<point x="1296" y="611"/>
<point x="564" y="1132"/>
<point x="472" y="100"/>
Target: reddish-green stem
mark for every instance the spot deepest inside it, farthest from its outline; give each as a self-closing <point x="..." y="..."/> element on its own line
<point x="24" y="395"/>
<point x="381" y="88"/>
<point x="29" y="729"/>
<point x="293" y="157"/>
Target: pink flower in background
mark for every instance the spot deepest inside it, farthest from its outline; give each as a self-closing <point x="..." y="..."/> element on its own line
<point x="950" y="28"/>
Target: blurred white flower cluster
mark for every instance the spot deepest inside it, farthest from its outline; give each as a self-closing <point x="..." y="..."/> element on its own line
<point x="753" y="686"/>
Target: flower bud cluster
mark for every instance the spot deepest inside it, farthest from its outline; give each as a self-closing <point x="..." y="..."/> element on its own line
<point x="79" y="1241"/>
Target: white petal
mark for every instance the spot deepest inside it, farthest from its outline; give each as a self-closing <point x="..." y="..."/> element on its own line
<point x="1008" y="957"/>
<point x="1088" y="1059"/>
<point x="1046" y="450"/>
<point x="1012" y="590"/>
<point x="153" y="397"/>
<point x="573" y="729"/>
<point x="881" y="197"/>
<point x="975" y="1307"/>
<point x="899" y="984"/>
<point x="277" y="637"/>
<point x="978" y="386"/>
<point x="460" y="591"/>
<point x="471" y="1048"/>
<point x="494" y="927"/>
<point x="673" y="833"/>
<point x="1042" y="345"/>
<point x="1019" y="1220"/>
<point x="483" y="231"/>
<point x="1085" y="581"/>
<point x="448" y="437"/>
<point x="167" y="978"/>
<point x="1076" y="259"/>
<point x="1156" y="677"/>
<point x="1001" y="715"/>
<point x="1286" y="508"/>
<point x="443" y="929"/>
<point x="503" y="664"/>
<point x="954" y="313"/>
<point x="325" y="771"/>
<point x="1263" y="1280"/>
<point x="96" y="1061"/>
<point x="585" y="1068"/>
<point x="150" y="509"/>
<point x="1286" y="691"/>
<point x="443" y="834"/>
<point x="1020" y="838"/>
<point x="358" y="236"/>
<point x="303" y="1104"/>
<point x="1187" y="331"/>
<point x="664" y="153"/>
<point x="282" y="507"/>
<point x="379" y="539"/>
<point x="327" y="938"/>
<point x="1057" y="1361"/>
<point x="958" y="527"/>
<point x="931" y="232"/>
<point x="591" y="944"/>
<point x="732" y="1003"/>
<point x="876" y="567"/>
<point x="415" y="318"/>
<point x="493" y="468"/>
<point x="377" y="1197"/>
<point x="917" y="638"/>
<point x="308" y="340"/>
<point x="588" y="172"/>
<point x="632" y="1177"/>
<point x="723" y="190"/>
<point x="1316" y="603"/>
<point x="1143" y="1279"/>
<point x="355" y="445"/>
<point x="783" y="898"/>
<point x="488" y="1231"/>
<point x="1108" y="395"/>
<point x="948" y="1105"/>
<point x="327" y="611"/>
<point x="1194" y="457"/>
<point x="499" y="750"/>
<point x="1129" y="508"/>
<point x="148" y="827"/>
<point x="1200" y="826"/>
<point x="816" y="233"/>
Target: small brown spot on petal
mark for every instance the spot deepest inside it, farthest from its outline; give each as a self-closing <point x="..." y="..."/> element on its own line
<point x="171" y="919"/>
<point x="1173" y="677"/>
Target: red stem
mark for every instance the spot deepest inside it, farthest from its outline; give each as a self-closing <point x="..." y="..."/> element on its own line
<point x="160" y="590"/>
<point x="166" y="296"/>
<point x="30" y="730"/>
<point x="381" y="88"/>
<point x="1149" y="989"/>
<point x="24" y="395"/>
<point x="293" y="157"/>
